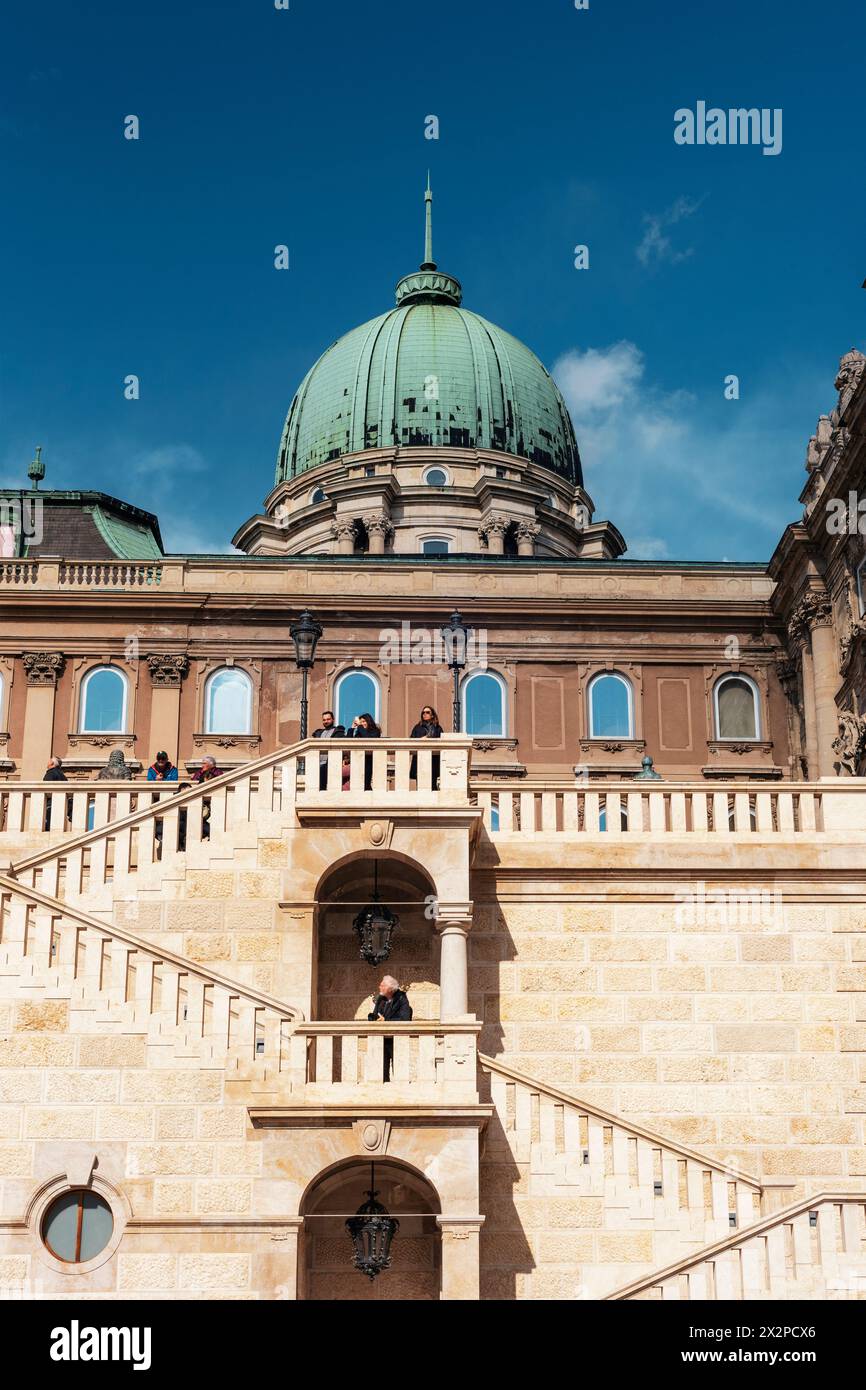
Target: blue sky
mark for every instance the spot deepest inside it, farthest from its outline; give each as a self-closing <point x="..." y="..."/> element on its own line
<point x="306" y="127"/>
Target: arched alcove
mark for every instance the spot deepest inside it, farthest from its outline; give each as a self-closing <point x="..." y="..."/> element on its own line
<point x="327" y="1270"/>
<point x="345" y="983"/>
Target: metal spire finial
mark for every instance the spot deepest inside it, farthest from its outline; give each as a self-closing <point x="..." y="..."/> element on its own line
<point x="428" y="263"/>
<point x="36" y="471"/>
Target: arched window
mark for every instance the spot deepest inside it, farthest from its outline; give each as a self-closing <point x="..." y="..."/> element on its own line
<point x="611" y="706"/>
<point x="737" y="710"/>
<point x="483" y="695"/>
<point x="861" y="587"/>
<point x="435" y="545"/>
<point x="228" y="702"/>
<point x="317" y="495"/>
<point x="77" y="1226"/>
<point x="356" y="692"/>
<point x="103" y="701"/>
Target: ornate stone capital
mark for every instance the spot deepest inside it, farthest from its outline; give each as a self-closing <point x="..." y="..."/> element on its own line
<point x="813" y="610"/>
<point x="378" y="522"/>
<point x="496" y="524"/>
<point x="43" y="668"/>
<point x="168" y="670"/>
<point x="343" y="529"/>
<point x="527" y="530"/>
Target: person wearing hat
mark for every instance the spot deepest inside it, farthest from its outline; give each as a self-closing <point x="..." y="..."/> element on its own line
<point x="161" y="770"/>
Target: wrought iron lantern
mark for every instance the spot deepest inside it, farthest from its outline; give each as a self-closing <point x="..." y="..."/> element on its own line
<point x="375" y="926"/>
<point x="372" y="1232"/>
<point x="305" y="634"/>
<point x="455" y="637"/>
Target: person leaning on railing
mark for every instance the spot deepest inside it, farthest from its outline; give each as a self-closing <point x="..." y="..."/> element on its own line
<point x="428" y="726"/>
<point x="363" y="726"/>
<point x="391" y="1005"/>
<point x="206" y="773"/>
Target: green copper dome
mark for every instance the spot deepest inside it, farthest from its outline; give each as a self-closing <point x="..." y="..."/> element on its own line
<point x="429" y="372"/>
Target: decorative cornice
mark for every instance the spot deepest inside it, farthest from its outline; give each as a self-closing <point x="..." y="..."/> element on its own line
<point x="167" y="670"/>
<point x="43" y="668"/>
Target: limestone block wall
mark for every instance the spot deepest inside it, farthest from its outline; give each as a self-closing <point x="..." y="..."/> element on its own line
<point x="746" y="1040"/>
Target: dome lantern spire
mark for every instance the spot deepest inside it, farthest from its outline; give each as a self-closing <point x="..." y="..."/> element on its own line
<point x="428" y="285"/>
<point x="428" y="263"/>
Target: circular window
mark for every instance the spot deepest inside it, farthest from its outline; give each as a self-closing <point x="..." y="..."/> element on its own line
<point x="317" y="495"/>
<point x="77" y="1226"/>
<point x="436" y="477"/>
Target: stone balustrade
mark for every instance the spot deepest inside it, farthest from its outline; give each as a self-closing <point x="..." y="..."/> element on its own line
<point x="813" y="1250"/>
<point x="370" y="769"/>
<point x="344" y="1062"/>
<point x="76" y="806"/>
<point x="652" y="809"/>
<point x="91" y="574"/>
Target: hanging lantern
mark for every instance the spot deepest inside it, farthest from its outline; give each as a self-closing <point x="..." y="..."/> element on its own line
<point x="375" y="926"/>
<point x="372" y="1231"/>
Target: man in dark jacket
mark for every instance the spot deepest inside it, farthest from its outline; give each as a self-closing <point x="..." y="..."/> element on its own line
<point x="54" y="772"/>
<point x="391" y="1006"/>
<point x="328" y="729"/>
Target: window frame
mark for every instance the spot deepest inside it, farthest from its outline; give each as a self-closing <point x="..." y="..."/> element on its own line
<point x="596" y="680"/>
<point x="212" y="676"/>
<point x="436" y="468"/>
<point x="757" y="736"/>
<point x="82" y="699"/>
<point x="503" y="694"/>
<point x="448" y="541"/>
<point x="80" y="1193"/>
<point x="377" y="689"/>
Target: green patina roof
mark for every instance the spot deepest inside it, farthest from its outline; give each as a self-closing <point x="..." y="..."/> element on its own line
<point x="429" y="372"/>
<point x="128" y="540"/>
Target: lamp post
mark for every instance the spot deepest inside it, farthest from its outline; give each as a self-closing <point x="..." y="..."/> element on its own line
<point x="305" y="634"/>
<point x="455" y="636"/>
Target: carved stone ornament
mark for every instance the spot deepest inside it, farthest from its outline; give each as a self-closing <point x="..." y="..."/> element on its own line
<point x="850" y="744"/>
<point x="852" y="636"/>
<point x="527" y="530"/>
<point x="786" y="673"/>
<point x="372" y="1136"/>
<point x="343" y="529"/>
<point x="851" y="369"/>
<point x="168" y="670"/>
<point x="43" y="668"/>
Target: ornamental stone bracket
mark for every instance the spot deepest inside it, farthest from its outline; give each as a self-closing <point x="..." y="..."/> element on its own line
<point x="43" y="668"/>
<point x="167" y="671"/>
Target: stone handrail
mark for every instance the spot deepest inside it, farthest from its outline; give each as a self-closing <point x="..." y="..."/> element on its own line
<point x="114" y="970"/>
<point x="76" y="806"/>
<point x="345" y="1059"/>
<point x="678" y="808"/>
<point x="815" y="1248"/>
<point x="368" y="769"/>
<point x="92" y="574"/>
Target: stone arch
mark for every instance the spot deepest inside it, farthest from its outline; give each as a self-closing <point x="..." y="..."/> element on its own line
<point x="344" y="983"/>
<point x="325" y="1263"/>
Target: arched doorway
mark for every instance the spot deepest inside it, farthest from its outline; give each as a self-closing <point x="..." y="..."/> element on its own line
<point x="345" y="983"/>
<point x="327" y="1271"/>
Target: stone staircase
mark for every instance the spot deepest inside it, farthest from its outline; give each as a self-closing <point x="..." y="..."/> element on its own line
<point x="114" y="982"/>
<point x="625" y="1196"/>
<point x="814" y="1249"/>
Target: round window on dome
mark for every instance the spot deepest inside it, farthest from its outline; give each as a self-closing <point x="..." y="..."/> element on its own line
<point x="436" y="477"/>
<point x="77" y="1226"/>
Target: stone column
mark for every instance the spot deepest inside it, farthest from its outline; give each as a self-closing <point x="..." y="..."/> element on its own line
<point x="166" y="675"/>
<point x="526" y="534"/>
<point x="282" y="1276"/>
<point x="453" y="928"/>
<point x="343" y="532"/>
<point x="42" y="670"/>
<point x="492" y="530"/>
<point x="379" y="528"/>
<point x="460" y="1256"/>
<point x="826" y="683"/>
<point x="811" y="625"/>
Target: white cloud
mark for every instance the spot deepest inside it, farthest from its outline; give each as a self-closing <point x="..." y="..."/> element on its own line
<point x="675" y="474"/>
<point x="656" y="246"/>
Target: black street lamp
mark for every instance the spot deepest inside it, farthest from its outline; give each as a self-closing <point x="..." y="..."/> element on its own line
<point x="305" y="634"/>
<point x="456" y="637"/>
<point x="375" y="925"/>
<point x="372" y="1231"/>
